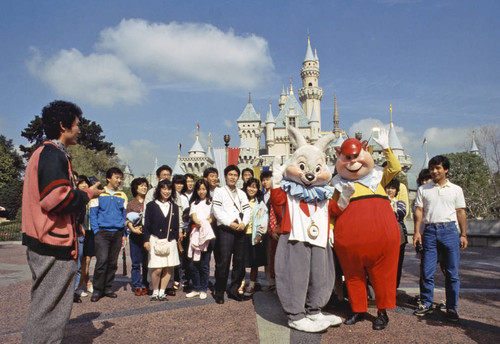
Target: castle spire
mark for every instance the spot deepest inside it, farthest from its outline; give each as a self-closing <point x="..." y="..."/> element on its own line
<point x="291" y="85"/>
<point x="336" y="120"/>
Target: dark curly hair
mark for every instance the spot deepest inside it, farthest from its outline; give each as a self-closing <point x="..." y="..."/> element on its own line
<point x="135" y="184"/>
<point x="59" y="111"/>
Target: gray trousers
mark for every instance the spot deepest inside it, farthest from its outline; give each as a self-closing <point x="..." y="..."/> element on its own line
<point x="304" y="277"/>
<point x="51" y="298"/>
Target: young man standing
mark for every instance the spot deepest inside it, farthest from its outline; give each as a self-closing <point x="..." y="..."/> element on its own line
<point x="107" y="220"/>
<point x="246" y="174"/>
<point x="440" y="204"/>
<point x="51" y="203"/>
<point x="232" y="211"/>
<point x="162" y="172"/>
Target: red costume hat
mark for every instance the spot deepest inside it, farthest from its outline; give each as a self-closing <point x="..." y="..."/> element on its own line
<point x="351" y="146"/>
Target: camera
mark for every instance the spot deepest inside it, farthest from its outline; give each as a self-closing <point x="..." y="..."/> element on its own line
<point x="419" y="248"/>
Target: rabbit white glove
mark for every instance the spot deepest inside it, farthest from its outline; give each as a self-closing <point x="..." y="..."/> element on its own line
<point x="383" y="138"/>
<point x="348" y="190"/>
<point x="277" y="172"/>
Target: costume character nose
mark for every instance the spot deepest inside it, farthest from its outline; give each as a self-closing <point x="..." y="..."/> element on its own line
<point x="309" y="176"/>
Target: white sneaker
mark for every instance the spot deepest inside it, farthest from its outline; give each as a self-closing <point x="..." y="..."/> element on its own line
<point x="332" y="319"/>
<point x="192" y="294"/>
<point x="307" y="325"/>
<point x="203" y="295"/>
<point x="90" y="288"/>
<point x="82" y="293"/>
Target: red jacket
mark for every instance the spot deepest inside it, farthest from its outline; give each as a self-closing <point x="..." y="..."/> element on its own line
<point x="50" y="204"/>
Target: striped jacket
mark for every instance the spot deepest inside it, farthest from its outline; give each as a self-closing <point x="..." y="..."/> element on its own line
<point x="51" y="203"/>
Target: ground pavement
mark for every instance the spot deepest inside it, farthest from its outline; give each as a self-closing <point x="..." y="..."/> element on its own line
<point x="132" y="319"/>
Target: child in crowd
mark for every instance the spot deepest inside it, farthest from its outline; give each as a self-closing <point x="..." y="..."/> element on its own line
<point x="202" y="239"/>
<point x="255" y="252"/>
<point x="161" y="232"/>
<point x="85" y="248"/>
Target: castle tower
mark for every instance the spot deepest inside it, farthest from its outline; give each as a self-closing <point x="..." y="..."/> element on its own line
<point x="336" y="119"/>
<point x="310" y="90"/>
<point x="249" y="128"/>
<point x="270" y="123"/>
<point x="473" y="148"/>
<point x="314" y="123"/>
<point x="282" y="100"/>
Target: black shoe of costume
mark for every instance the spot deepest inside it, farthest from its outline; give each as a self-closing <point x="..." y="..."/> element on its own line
<point x="170" y="292"/>
<point x="354" y="318"/>
<point x="77" y="298"/>
<point x="381" y="322"/>
<point x="452" y="315"/>
<point x="236" y="297"/>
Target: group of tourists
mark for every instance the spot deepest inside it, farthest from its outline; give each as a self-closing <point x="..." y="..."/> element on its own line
<point x="174" y="228"/>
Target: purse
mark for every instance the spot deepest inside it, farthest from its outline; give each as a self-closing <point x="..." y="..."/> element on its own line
<point x="161" y="246"/>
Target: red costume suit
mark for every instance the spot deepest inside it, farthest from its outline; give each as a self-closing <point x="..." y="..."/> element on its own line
<point x="367" y="238"/>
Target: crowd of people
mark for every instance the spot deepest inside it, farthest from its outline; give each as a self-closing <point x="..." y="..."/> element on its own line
<point x="174" y="228"/>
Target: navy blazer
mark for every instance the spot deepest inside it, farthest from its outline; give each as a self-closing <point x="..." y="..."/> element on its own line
<point x="155" y="223"/>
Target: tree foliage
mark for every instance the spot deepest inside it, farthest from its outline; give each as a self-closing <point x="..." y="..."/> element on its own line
<point x="11" y="197"/>
<point x="471" y="172"/>
<point x="11" y="163"/>
<point x="90" y="163"/>
<point x="90" y="137"/>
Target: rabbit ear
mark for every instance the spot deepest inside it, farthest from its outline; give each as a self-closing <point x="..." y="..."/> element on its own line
<point x="296" y="138"/>
<point x="337" y="151"/>
<point x="324" y="141"/>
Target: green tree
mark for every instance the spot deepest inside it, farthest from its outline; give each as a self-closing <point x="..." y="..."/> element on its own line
<point x="11" y="197"/>
<point x="90" y="163"/>
<point x="471" y="172"/>
<point x="91" y="137"/>
<point x="11" y="163"/>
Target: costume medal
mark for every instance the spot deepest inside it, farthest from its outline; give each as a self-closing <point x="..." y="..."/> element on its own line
<point x="313" y="231"/>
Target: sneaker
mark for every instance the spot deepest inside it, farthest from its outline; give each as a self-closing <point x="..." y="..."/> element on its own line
<point x="241" y="289"/>
<point x="307" y="325"/>
<point x="163" y="297"/>
<point x="203" y="295"/>
<point x="154" y="298"/>
<point x="192" y="294"/>
<point x="248" y="291"/>
<point x="452" y="315"/>
<point x="422" y="310"/>
<point x="90" y="288"/>
<point x="138" y="291"/>
<point x="176" y="285"/>
<point x="332" y="319"/>
<point x="82" y="293"/>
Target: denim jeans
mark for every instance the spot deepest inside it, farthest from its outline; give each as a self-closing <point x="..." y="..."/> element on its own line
<point x="79" y="260"/>
<point x="200" y="271"/>
<point x="139" y="257"/>
<point x="440" y="238"/>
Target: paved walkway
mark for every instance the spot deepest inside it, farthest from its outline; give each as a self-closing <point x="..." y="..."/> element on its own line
<point x="131" y="319"/>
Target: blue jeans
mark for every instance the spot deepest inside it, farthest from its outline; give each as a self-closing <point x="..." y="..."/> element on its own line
<point x="440" y="238"/>
<point x="79" y="260"/>
<point x="200" y="271"/>
<point x="139" y="257"/>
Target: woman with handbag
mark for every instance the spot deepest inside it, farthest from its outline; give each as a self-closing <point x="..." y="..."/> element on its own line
<point x="161" y="232"/>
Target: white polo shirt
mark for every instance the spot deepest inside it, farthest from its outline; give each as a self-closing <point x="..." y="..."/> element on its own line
<point x="440" y="202"/>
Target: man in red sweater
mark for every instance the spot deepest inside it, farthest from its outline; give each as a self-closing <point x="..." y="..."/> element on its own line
<point x="50" y="206"/>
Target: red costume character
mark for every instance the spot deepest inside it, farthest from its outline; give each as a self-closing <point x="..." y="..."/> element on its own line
<point x="367" y="235"/>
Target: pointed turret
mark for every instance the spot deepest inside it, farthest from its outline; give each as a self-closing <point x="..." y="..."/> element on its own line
<point x="309" y="54"/>
<point x="393" y="138"/>
<point x="310" y="92"/>
<point x="249" y="114"/>
<point x="314" y="123"/>
<point x="270" y="123"/>
<point x="283" y="97"/>
<point x="177" y="168"/>
<point x="270" y="117"/>
<point x="473" y="148"/>
<point x="197" y="149"/>
<point x="336" y="120"/>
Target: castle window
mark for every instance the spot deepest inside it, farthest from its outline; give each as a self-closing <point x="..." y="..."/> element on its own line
<point x="292" y="149"/>
<point x="291" y="122"/>
<point x="310" y="84"/>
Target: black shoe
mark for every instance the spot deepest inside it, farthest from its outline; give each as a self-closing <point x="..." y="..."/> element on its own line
<point x="381" y="322"/>
<point x="77" y="298"/>
<point x="354" y="318"/>
<point x="95" y="297"/>
<point x="236" y="297"/>
<point x="170" y="292"/>
<point x="452" y="315"/>
<point x="111" y="295"/>
<point x="219" y="299"/>
<point x="422" y="310"/>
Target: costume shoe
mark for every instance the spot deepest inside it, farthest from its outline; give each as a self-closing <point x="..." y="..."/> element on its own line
<point x="332" y="319"/>
<point x="307" y="325"/>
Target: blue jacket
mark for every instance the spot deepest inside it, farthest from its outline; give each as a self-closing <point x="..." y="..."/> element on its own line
<point x="107" y="212"/>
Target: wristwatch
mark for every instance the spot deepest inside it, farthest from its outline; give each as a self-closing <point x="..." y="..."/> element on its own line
<point x="463" y="235"/>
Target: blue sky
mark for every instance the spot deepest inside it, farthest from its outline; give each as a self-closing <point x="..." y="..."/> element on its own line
<point x="149" y="71"/>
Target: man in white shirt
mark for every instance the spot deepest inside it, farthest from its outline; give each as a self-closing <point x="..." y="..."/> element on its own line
<point x="440" y="204"/>
<point x="230" y="208"/>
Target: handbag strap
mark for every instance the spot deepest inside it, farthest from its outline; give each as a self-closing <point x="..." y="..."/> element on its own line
<point x="170" y="220"/>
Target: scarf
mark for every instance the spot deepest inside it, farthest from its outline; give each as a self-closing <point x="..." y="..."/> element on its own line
<point x="310" y="194"/>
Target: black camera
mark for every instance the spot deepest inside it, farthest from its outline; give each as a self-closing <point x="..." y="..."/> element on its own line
<point x="93" y="180"/>
<point x="419" y="248"/>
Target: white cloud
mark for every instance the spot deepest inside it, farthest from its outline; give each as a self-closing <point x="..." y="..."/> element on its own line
<point x="190" y="54"/>
<point x="100" y="79"/>
<point x="447" y="139"/>
<point x="140" y="155"/>
<point x="227" y="123"/>
<point x="364" y="126"/>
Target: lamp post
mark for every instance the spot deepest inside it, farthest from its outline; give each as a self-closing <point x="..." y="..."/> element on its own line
<point x="227" y="138"/>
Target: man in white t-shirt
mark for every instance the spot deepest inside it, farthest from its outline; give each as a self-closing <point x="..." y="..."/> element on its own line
<point x="440" y="204"/>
